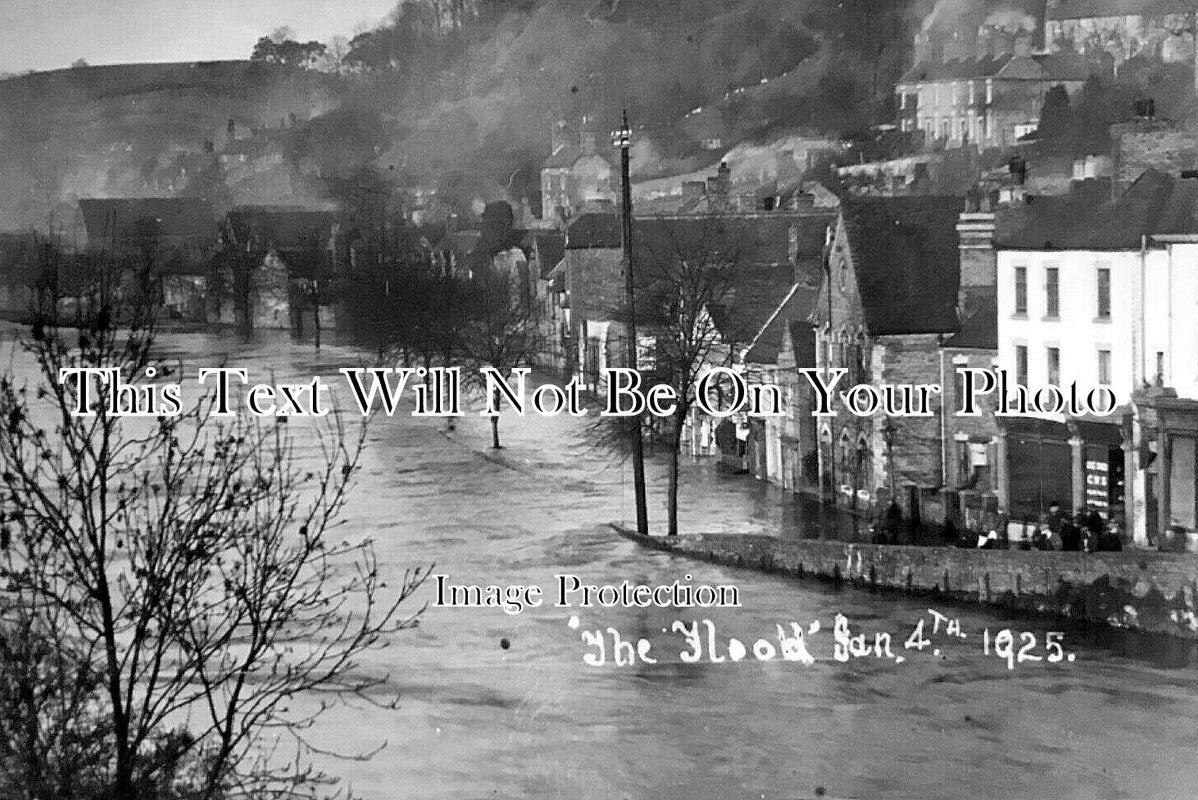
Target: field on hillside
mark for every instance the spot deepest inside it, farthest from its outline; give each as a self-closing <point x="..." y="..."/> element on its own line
<point x="102" y="131"/>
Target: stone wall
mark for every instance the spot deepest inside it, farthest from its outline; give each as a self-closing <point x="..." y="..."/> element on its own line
<point x="1149" y="591"/>
<point x="1151" y="143"/>
<point x="908" y="360"/>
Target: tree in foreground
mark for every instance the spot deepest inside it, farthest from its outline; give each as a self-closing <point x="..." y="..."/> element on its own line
<point x="177" y="609"/>
<point x="688" y="270"/>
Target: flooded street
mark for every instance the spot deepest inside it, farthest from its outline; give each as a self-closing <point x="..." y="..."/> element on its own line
<point x="479" y="719"/>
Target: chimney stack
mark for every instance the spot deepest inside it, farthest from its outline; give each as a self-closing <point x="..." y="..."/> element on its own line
<point x="718" y="184"/>
<point x="586" y="138"/>
<point x="979" y="261"/>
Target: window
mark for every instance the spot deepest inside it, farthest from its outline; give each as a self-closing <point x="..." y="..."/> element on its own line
<point x="971" y="96"/>
<point x="1021" y="364"/>
<point x="1160" y="368"/>
<point x="989" y="90"/>
<point x="1104" y="367"/>
<point x="1053" y="356"/>
<point x="955" y="98"/>
<point x="1052" y="292"/>
<point x="902" y="99"/>
<point x="1104" y="293"/>
<point x="1020" y="290"/>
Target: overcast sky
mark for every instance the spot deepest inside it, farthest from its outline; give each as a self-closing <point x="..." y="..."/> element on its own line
<point x="48" y="34"/>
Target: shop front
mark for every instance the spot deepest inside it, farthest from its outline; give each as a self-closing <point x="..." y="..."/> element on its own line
<point x="1074" y="463"/>
<point x="1039" y="465"/>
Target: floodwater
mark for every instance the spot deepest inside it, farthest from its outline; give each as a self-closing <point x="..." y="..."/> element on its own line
<point x="503" y="705"/>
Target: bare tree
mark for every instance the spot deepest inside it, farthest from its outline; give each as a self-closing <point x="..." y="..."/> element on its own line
<point x="192" y="566"/>
<point x="498" y="330"/>
<point x="688" y="268"/>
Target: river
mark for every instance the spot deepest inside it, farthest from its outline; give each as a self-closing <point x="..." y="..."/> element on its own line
<point x="500" y="705"/>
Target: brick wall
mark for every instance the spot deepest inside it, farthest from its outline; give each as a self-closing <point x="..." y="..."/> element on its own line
<point x="595" y="281"/>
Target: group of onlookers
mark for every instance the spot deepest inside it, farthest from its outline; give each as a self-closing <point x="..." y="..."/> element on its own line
<point x="1086" y="531"/>
<point x="1083" y="532"/>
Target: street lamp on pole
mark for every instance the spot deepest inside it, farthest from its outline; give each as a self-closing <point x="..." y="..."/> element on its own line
<point x="622" y="140"/>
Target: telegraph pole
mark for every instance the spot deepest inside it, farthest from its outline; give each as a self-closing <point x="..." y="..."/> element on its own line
<point x="623" y="140"/>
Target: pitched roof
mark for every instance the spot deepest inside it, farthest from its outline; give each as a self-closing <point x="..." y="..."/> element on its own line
<point x="978" y="332"/>
<point x="1046" y="67"/>
<point x="588" y="231"/>
<point x="955" y="69"/>
<point x="905" y="256"/>
<point x="120" y="220"/>
<point x="1037" y="67"/>
<point x="796" y="307"/>
<point x="563" y="157"/>
<point x="752" y="300"/>
<point x="752" y="238"/>
<point x="283" y="228"/>
<point x="1156" y="204"/>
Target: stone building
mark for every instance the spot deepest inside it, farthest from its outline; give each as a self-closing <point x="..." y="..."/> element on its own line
<point x="591" y="282"/>
<point x="887" y="303"/>
<point x="1150" y="143"/>
<point x="576" y="176"/>
<point x="983" y="102"/>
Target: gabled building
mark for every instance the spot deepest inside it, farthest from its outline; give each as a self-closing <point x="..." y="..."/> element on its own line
<point x="888" y="301"/>
<point x="577" y="174"/>
<point x="590" y="283"/>
<point x="289" y="253"/>
<point x="783" y="345"/>
<point x="169" y="241"/>
<point x="983" y="102"/>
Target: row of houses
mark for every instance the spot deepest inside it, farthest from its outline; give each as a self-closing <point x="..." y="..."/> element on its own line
<point x="1082" y="289"/>
<point x="1072" y="291"/>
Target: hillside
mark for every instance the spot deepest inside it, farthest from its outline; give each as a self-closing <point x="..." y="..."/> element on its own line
<point x="467" y="102"/>
<point x="104" y="131"/>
